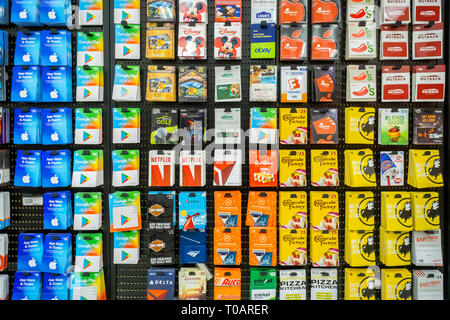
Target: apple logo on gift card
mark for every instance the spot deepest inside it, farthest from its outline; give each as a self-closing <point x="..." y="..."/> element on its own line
<point x="54" y="179"/>
<point x="23" y="93"/>
<point x="32" y="263"/>
<point x="53" y="58"/>
<point x="54" y="94"/>
<point x="23" y="14"/>
<point x="52" y="15"/>
<point x="52" y="265"/>
<point x="54" y="136"/>
<point x="55" y="222"/>
<point x="26" y="57"/>
<point x="55" y="298"/>
<point x="26" y="178"/>
<point x="24" y="136"/>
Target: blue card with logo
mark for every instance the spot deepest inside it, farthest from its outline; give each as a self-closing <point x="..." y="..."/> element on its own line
<point x="193" y="246"/>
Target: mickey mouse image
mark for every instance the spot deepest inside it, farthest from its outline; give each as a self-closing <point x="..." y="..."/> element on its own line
<point x="191" y="47"/>
<point x="227" y="47"/>
<point x="226" y="11"/>
<point x="192" y="11"/>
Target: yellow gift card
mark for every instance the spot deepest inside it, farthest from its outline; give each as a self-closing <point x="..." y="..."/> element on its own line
<point x="395" y="248"/>
<point x="292" y="168"/>
<point x="160" y="41"/>
<point x="293" y="247"/>
<point x="324" y="210"/>
<point x="396" y="284"/>
<point x="324" y="168"/>
<point x="396" y="211"/>
<point x="324" y="248"/>
<point x="293" y="125"/>
<point x="161" y="83"/>
<point x="424" y="169"/>
<point x="426" y="210"/>
<point x="293" y="210"/>
<point x="359" y="284"/>
<point x="360" y="168"/>
<point x="360" y="248"/>
<point x="359" y="210"/>
<point x="359" y="125"/>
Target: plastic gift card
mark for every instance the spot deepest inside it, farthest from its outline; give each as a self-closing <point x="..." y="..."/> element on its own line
<point x="126" y="247"/>
<point x="89" y="84"/>
<point x="227" y="246"/>
<point x="396" y="211"/>
<point x="161" y="168"/>
<point x="227" y="209"/>
<point x="263" y="10"/>
<point x="324" y="127"/>
<point x="228" y="84"/>
<point x="424" y="169"/>
<point x="394" y="42"/>
<point x="360" y="168"/>
<point x="90" y="12"/>
<point x="324" y="210"/>
<point x="160" y="10"/>
<point x="160" y="41"/>
<point x="161" y="245"/>
<point x="395" y="83"/>
<point x="193" y="11"/>
<point x="263" y="168"/>
<point x="28" y="168"/>
<point x="27" y="286"/>
<point x="87" y="286"/>
<point x="26" y="84"/>
<point x="191" y="284"/>
<point x="192" y="40"/>
<point x="324" y="284"/>
<point x="426" y="210"/>
<point x="427" y="41"/>
<point x="424" y="11"/>
<point x="57" y="210"/>
<point x="28" y="48"/>
<point x="55" y="286"/>
<point x="262" y="246"/>
<point x="56" y="168"/>
<point x="5" y="210"/>
<point x="192" y="210"/>
<point x="360" y="284"/>
<point x="227" y="283"/>
<point x="4" y="243"/>
<point x="393" y="126"/>
<point x="227" y="125"/>
<point x="25" y="13"/>
<point x="263" y="40"/>
<point x="192" y="168"/>
<point x="164" y="126"/>
<point x="294" y="84"/>
<point x="30" y="249"/>
<point x="193" y="246"/>
<point x="127" y="10"/>
<point x="293" y="42"/>
<point x="56" y="84"/>
<point x="261" y="209"/>
<point x="27" y="126"/>
<point x="88" y="126"/>
<point x="392" y="164"/>
<point x="128" y="41"/>
<point x="263" y="125"/>
<point x="126" y="125"/>
<point x="359" y="125"/>
<point x="90" y="49"/>
<point x="88" y="252"/>
<point x="227" y="40"/>
<point x="192" y="84"/>
<point x="125" y="165"/>
<point x="293" y="210"/>
<point x="127" y="83"/>
<point x="326" y="11"/>
<point x="293" y="168"/>
<point x="87" y="211"/>
<point x="324" y="248"/>
<point x="361" y="11"/>
<point x="56" y="48"/>
<point x="361" y="41"/>
<point x="293" y="125"/>
<point x="125" y="211"/>
<point x="427" y="126"/>
<point x="228" y="10"/>
<point x="227" y="167"/>
<point x="161" y="212"/>
<point x="87" y="168"/>
<point x="324" y="42"/>
<point x="361" y="83"/>
<point x="263" y="283"/>
<point x="293" y="11"/>
<point x="360" y="247"/>
<point x="324" y="168"/>
<point x="55" y="13"/>
<point x="293" y="247"/>
<point x="57" y="255"/>
<point x="396" y="284"/>
<point x="360" y="210"/>
<point x="292" y="284"/>
<point x="57" y="126"/>
<point x="161" y="84"/>
<point x="428" y="83"/>
<point x="161" y="284"/>
<point x="395" y="10"/>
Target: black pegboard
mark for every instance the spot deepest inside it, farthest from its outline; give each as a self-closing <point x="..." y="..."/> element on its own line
<point x="132" y="279"/>
<point x="30" y="218"/>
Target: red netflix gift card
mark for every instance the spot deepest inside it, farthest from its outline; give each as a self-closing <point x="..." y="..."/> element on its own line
<point x="427" y="41"/>
<point x="428" y="83"/>
<point x="394" y="42"/>
<point x="192" y="168"/>
<point x="161" y="168"/>
<point x="395" y="83"/>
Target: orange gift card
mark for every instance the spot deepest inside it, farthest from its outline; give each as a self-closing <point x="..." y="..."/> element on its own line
<point x="261" y="209"/>
<point x="227" y="207"/>
<point x="324" y="45"/>
<point x="293" y="11"/>
<point x="227" y="284"/>
<point x="324" y="11"/>
<point x="227" y="246"/>
<point x="263" y="246"/>
<point x="263" y="168"/>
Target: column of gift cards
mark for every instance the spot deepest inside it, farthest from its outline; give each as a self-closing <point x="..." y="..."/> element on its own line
<point x="46" y="57"/>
